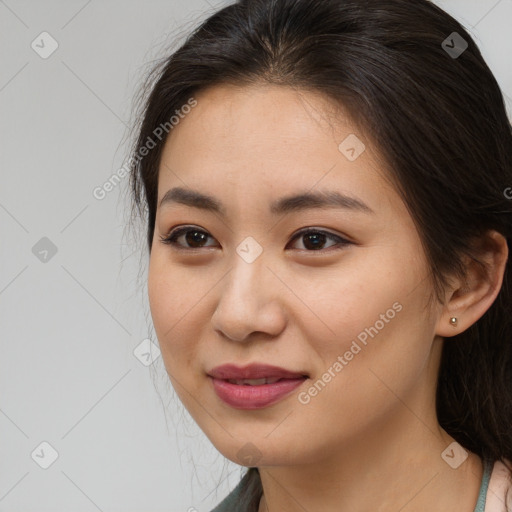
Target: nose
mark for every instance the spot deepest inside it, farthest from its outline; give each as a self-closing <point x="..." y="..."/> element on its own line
<point x="251" y="301"/>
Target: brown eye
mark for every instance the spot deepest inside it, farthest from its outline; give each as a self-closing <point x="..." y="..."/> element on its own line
<point x="315" y="239"/>
<point x="194" y="238"/>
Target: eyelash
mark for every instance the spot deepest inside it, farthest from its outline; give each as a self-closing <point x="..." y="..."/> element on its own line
<point x="171" y="238"/>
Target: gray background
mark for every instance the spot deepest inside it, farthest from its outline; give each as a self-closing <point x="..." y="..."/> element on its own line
<point x="71" y="321"/>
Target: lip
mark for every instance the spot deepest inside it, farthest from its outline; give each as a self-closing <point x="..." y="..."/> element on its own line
<point x="254" y="397"/>
<point x="253" y="371"/>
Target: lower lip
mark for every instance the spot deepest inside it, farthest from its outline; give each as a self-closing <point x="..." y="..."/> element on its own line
<point x="254" y="397"/>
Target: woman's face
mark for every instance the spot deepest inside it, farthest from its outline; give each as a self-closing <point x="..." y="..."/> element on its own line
<point x="343" y="303"/>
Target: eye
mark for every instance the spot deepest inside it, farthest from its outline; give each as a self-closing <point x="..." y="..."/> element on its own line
<point x="193" y="236"/>
<point x="313" y="239"/>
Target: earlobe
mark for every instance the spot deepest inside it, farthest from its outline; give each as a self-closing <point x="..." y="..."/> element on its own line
<point x="471" y="297"/>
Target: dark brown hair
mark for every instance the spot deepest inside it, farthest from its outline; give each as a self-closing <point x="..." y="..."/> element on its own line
<point x="439" y="121"/>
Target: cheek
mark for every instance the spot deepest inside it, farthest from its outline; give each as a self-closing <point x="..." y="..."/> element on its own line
<point x="171" y="302"/>
<point x="383" y="345"/>
<point x="342" y="303"/>
<point x="162" y="296"/>
<point x="373" y="316"/>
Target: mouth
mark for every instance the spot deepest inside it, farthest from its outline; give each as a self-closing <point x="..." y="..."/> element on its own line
<point x="255" y="386"/>
<point x="254" y="373"/>
<point x="255" y="382"/>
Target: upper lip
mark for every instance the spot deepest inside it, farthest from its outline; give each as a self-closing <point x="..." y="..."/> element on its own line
<point x="253" y="371"/>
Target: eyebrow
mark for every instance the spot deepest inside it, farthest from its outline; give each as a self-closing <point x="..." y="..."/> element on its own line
<point x="293" y="203"/>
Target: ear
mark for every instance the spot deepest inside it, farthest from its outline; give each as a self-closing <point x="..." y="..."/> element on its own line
<point x="468" y="299"/>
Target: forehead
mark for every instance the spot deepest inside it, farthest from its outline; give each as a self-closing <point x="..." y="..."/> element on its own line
<point x="256" y="114"/>
<point x="270" y="138"/>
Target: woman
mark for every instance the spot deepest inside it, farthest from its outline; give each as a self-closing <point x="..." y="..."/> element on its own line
<point x="324" y="184"/>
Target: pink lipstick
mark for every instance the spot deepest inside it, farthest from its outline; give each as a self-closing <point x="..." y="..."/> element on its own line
<point x="254" y="386"/>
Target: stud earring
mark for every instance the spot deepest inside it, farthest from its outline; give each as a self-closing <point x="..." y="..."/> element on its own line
<point x="453" y="321"/>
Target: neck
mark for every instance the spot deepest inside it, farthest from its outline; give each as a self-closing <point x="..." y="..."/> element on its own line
<point x="398" y="467"/>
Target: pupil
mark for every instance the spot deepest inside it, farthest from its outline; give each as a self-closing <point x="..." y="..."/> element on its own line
<point x="316" y="240"/>
<point x="313" y="241"/>
<point x="190" y="237"/>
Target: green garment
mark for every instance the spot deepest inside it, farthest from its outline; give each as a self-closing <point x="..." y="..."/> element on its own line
<point x="234" y="503"/>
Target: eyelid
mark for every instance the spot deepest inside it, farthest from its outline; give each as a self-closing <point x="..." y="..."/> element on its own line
<point x="175" y="233"/>
<point x="342" y="240"/>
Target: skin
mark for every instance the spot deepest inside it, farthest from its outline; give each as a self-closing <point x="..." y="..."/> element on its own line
<point x="370" y="440"/>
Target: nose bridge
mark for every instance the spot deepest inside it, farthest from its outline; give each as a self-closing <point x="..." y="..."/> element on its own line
<point x="246" y="290"/>
<point x="247" y="302"/>
<point x="249" y="270"/>
<point x="246" y="274"/>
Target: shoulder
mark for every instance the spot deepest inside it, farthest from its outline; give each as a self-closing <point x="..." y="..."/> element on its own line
<point x="499" y="491"/>
<point x="227" y="504"/>
<point x="245" y="496"/>
<point x="233" y="501"/>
